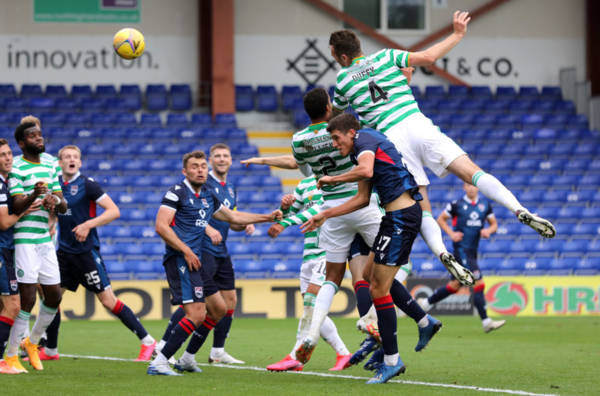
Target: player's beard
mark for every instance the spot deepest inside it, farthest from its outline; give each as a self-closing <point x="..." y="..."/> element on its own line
<point x="35" y="150"/>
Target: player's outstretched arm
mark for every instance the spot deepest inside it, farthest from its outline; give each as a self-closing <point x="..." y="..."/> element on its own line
<point x="364" y="170"/>
<point x="164" y="217"/>
<point x="359" y="201"/>
<point x="281" y="161"/>
<point x="111" y="213"/>
<point x="230" y="216"/>
<point x="8" y="220"/>
<point x="436" y="51"/>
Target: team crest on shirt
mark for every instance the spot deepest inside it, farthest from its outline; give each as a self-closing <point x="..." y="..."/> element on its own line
<point x="481" y="207"/>
<point x="205" y="203"/>
<point x="231" y="191"/>
<point x="74" y="189"/>
<point x="13" y="285"/>
<point x="198" y="291"/>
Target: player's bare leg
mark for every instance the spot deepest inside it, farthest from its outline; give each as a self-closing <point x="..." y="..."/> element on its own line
<point x="432" y="234"/>
<point x="492" y="188"/>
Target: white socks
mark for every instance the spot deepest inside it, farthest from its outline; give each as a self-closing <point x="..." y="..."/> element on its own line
<point x="17" y="332"/>
<point x="424" y="322"/>
<point x="160" y="345"/>
<point x="494" y="189"/>
<point x="187" y="357"/>
<point x="45" y="317"/>
<point x="330" y="335"/>
<point x="432" y="234"/>
<point x="390" y="360"/>
<point x="322" y="305"/>
<point x="305" y="321"/>
<point x="148" y="340"/>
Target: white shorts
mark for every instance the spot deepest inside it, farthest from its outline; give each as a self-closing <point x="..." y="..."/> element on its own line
<point x="422" y="144"/>
<point x="337" y="233"/>
<point x="37" y="264"/>
<point x="312" y="271"/>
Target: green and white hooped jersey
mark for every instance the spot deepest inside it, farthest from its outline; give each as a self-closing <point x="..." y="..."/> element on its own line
<point x="376" y="89"/>
<point x="313" y="146"/>
<point x="307" y="203"/>
<point x="33" y="227"/>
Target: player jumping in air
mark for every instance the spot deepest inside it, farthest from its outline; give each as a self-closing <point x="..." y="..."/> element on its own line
<point x="380" y="166"/>
<point x="379" y="92"/>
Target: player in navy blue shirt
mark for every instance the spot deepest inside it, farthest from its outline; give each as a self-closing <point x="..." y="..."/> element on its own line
<point x="182" y="218"/>
<point x="9" y="290"/>
<point x="379" y="166"/>
<point x="216" y="262"/>
<point x="78" y="252"/>
<point x="468" y="216"/>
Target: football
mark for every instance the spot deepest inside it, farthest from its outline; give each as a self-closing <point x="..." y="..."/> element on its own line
<point x="129" y="43"/>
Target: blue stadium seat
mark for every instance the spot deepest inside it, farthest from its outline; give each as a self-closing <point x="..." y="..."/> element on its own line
<point x="131" y="95"/>
<point x="551" y="92"/>
<point x="556" y="121"/>
<point x="429" y="268"/>
<point x="435" y="92"/>
<point x="181" y="97"/>
<point x="506" y="92"/>
<point x="251" y="269"/>
<point x="31" y="90"/>
<point x="529" y="92"/>
<point x="225" y="120"/>
<point x="116" y="270"/>
<point x="157" y="101"/>
<point x="586" y="229"/>
<point x="106" y="90"/>
<point x="244" y="98"/>
<point x="565" y="107"/>
<point x="150" y="120"/>
<point x="458" y="91"/>
<point x="273" y="248"/>
<point x="201" y="119"/>
<point x="55" y="91"/>
<point x="8" y="91"/>
<point x="534" y="266"/>
<point x="587" y="267"/>
<point x="578" y="121"/>
<point x="66" y="104"/>
<point x="576" y="245"/>
<point x="481" y="91"/>
<point x="240" y="249"/>
<point x="509" y="267"/>
<point x="283" y="269"/>
<point x="562" y="266"/>
<point x="266" y="98"/>
<point x="177" y="120"/>
<point x="81" y="91"/>
<point x="489" y="265"/>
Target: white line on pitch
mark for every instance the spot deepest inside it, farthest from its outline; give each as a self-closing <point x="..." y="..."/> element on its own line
<point x="317" y="374"/>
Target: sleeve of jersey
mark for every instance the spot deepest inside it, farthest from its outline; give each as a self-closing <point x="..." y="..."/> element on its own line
<point x="170" y="200"/>
<point x="490" y="211"/>
<point x="399" y="57"/>
<point x="365" y="144"/>
<point x="301" y="217"/>
<point x="15" y="184"/>
<point x="296" y="206"/>
<point x="339" y="100"/>
<point x="218" y="205"/>
<point x="55" y="183"/>
<point x="449" y="209"/>
<point x="3" y="198"/>
<point x="93" y="190"/>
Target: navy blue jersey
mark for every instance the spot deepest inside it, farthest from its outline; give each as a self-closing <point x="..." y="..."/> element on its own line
<point x="192" y="214"/>
<point x="469" y="218"/>
<point x="390" y="177"/>
<point x="6" y="237"/>
<point x="226" y="194"/>
<point x="81" y="194"/>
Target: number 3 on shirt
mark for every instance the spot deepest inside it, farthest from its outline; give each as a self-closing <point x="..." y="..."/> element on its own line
<point x="377" y="93"/>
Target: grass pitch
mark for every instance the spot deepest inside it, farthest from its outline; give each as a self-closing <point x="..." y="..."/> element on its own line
<point x="559" y="355"/>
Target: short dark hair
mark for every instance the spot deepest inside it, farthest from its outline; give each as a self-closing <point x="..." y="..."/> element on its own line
<point x="343" y="122"/>
<point x="3" y="142"/>
<point x="217" y="146"/>
<point x="20" y="131"/>
<point x="194" y="154"/>
<point x="345" y="42"/>
<point x="315" y="103"/>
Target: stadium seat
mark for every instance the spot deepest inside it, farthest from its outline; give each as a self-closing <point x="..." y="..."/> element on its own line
<point x="429" y="268"/>
<point x="201" y="119"/>
<point x="8" y="91"/>
<point x="505" y="92"/>
<point x="81" y="91"/>
<point x="177" y="120"/>
<point x="489" y="264"/>
<point x="534" y="266"/>
<point x="266" y="98"/>
<point x="562" y="266"/>
<point x="509" y="267"/>
<point x="180" y="97"/>
<point x="587" y="267"/>
<point x="481" y="91"/>
<point x="225" y="120"/>
<point x="55" y="91"/>
<point x="156" y="101"/>
<point x="244" y="98"/>
<point x="551" y="92"/>
<point x="251" y="269"/>
<point x="528" y="92"/>
<point x="283" y="269"/>
<point x="150" y="120"/>
<point x="106" y="91"/>
<point x="435" y="92"/>
<point x="31" y="90"/>
<point x="589" y="229"/>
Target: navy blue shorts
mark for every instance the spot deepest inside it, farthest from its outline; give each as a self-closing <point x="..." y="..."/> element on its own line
<point x="187" y="286"/>
<point x="358" y="247"/>
<point x="8" y="275"/>
<point x="397" y="233"/>
<point x="86" y="269"/>
<point x="220" y="270"/>
<point x="468" y="259"/>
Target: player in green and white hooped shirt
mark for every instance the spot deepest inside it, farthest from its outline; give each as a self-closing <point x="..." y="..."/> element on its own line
<point x="32" y="178"/>
<point x="375" y="87"/>
<point x="298" y="208"/>
<point x="313" y="152"/>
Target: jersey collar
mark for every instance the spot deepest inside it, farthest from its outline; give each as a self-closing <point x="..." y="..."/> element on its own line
<point x="467" y="200"/>
<point x="75" y="176"/>
<point x="357" y="59"/>
<point x="187" y="183"/>
<point x="212" y="174"/>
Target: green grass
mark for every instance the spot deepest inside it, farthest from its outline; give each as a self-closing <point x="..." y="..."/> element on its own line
<point x="540" y="355"/>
